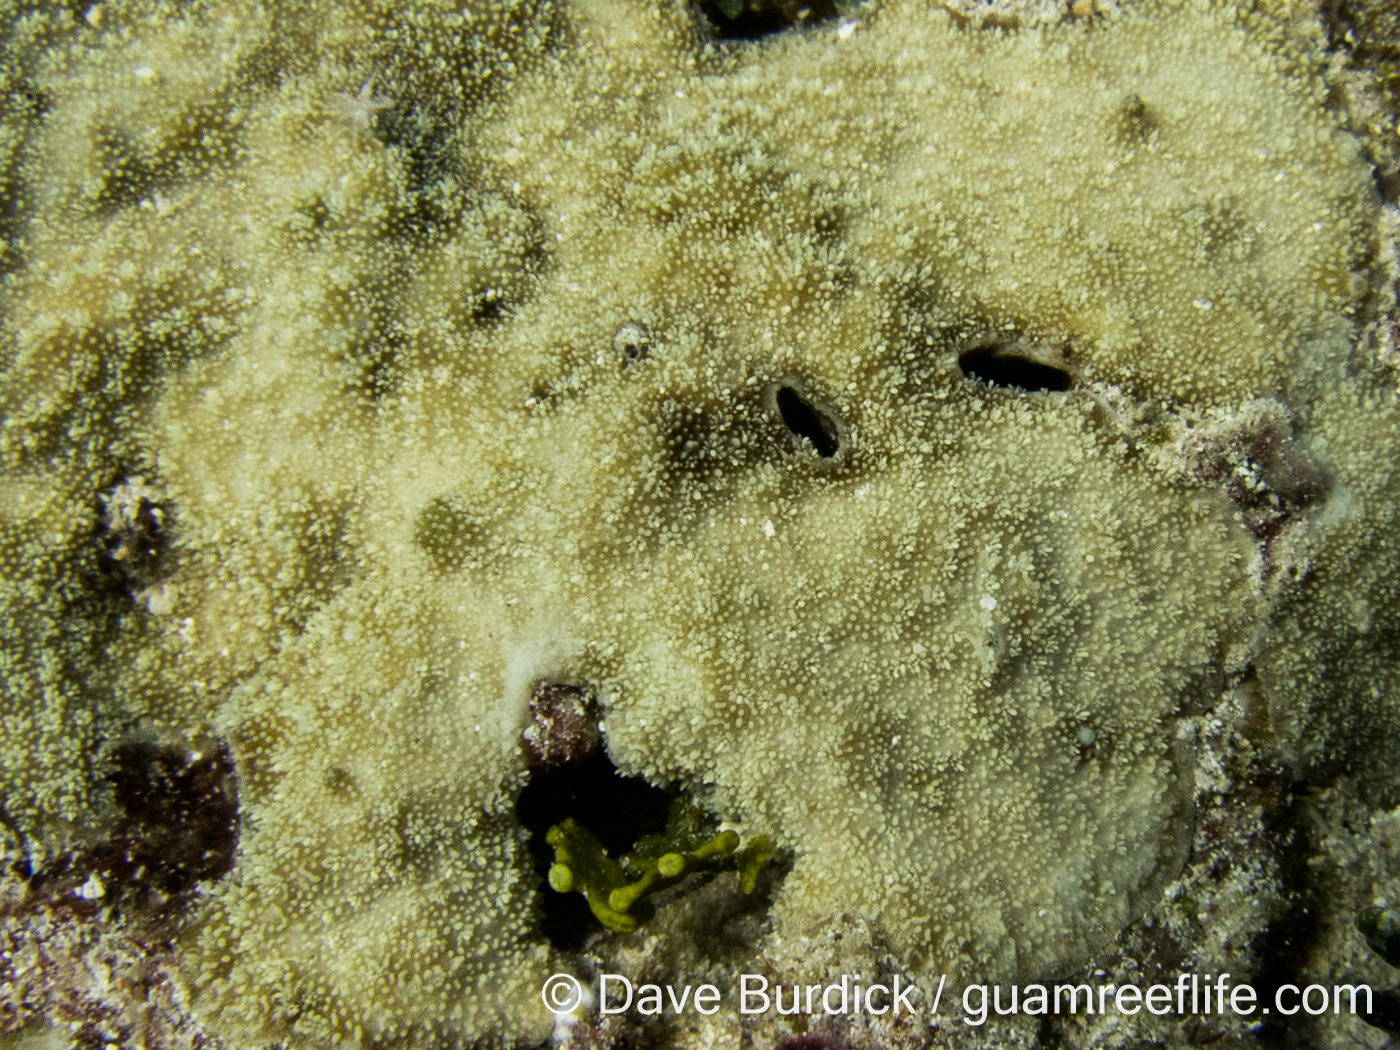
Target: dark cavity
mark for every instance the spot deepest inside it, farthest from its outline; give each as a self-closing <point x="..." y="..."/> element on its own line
<point x="572" y="776"/>
<point x="808" y="423"/>
<point x="175" y="824"/>
<point x="755" y="19"/>
<point x="632" y="343"/>
<point x="987" y="364"/>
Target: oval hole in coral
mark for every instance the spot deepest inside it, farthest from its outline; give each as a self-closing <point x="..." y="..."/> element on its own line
<point x="808" y="422"/>
<point x="994" y="366"/>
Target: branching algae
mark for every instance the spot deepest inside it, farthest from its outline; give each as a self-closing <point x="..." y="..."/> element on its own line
<point x="617" y="892"/>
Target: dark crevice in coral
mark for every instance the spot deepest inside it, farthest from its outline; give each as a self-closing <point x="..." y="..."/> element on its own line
<point x="989" y="364"/>
<point x="11" y="827"/>
<point x="572" y="776"/>
<point x="179" y="814"/>
<point x="426" y="145"/>
<point x="422" y="139"/>
<point x="1388" y="184"/>
<point x="755" y="19"/>
<point x="810" y="424"/>
<point x="1287" y="942"/>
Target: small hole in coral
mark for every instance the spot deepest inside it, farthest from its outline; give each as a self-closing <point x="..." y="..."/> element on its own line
<point x="632" y="343"/>
<point x="754" y="19"/>
<point x="989" y="364"/>
<point x="806" y="422"/>
<point x="618" y="809"/>
<point x="487" y="307"/>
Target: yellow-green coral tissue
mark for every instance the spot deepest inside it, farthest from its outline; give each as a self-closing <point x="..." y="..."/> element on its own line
<point x="685" y="493"/>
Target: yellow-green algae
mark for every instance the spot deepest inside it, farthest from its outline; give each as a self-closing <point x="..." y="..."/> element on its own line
<point x="342" y="282"/>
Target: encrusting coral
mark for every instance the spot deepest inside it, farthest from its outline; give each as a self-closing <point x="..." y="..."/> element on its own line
<point x="465" y="350"/>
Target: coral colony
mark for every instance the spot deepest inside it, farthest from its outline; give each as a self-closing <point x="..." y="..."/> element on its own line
<point x="566" y="487"/>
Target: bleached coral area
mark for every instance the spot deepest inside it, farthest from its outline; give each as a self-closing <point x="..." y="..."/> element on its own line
<point x="957" y="448"/>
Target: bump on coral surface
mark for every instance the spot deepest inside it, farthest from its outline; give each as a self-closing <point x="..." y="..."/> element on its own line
<point x="543" y="343"/>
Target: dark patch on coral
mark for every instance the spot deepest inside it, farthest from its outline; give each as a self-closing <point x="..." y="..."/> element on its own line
<point x="1002" y="366"/>
<point x="308" y="223"/>
<point x="451" y="534"/>
<point x="179" y="817"/>
<point x="1221" y="230"/>
<point x="755" y="19"/>
<point x="702" y="440"/>
<point x="340" y="783"/>
<point x="1136" y="122"/>
<point x="374" y="360"/>
<point x="176" y="824"/>
<point x="377" y="363"/>
<point x="127" y="174"/>
<point x="204" y="139"/>
<point x="618" y="809"/>
<point x="426" y="147"/>
<point x="423" y="143"/>
<point x="706" y="447"/>
<point x="133" y="533"/>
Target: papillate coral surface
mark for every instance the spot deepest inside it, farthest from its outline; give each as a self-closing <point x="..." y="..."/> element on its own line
<point x="892" y="431"/>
